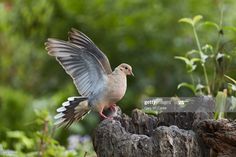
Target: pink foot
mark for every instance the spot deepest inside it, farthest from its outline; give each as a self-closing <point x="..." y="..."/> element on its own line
<point x="105" y="117"/>
<point x="102" y="115"/>
<point x="113" y="107"/>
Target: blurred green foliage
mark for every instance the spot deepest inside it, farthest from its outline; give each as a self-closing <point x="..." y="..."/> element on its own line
<point x="145" y="34"/>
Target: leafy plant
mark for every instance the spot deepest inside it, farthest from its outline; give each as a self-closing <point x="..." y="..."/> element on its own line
<point x="191" y="61"/>
<point x="209" y="61"/>
<point x="42" y="143"/>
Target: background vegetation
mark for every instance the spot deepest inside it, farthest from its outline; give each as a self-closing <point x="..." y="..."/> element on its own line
<point x="145" y="34"/>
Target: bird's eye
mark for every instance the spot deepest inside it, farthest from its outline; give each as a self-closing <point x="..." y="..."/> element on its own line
<point x="126" y="68"/>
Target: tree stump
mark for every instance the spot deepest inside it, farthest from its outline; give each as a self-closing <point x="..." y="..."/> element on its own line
<point x="168" y="134"/>
<point x="219" y="135"/>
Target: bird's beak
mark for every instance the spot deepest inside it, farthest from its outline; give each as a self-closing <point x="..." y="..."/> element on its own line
<point x="132" y="73"/>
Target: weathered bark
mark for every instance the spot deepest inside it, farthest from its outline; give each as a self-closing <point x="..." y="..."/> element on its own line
<point x="168" y="134"/>
<point x="219" y="135"/>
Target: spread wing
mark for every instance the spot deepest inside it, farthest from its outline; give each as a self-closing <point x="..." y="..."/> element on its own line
<point x="87" y="72"/>
<point x="80" y="39"/>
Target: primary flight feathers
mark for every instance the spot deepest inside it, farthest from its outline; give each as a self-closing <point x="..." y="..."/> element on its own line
<point x="81" y="59"/>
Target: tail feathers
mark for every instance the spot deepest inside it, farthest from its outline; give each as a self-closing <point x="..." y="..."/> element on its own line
<point x="75" y="109"/>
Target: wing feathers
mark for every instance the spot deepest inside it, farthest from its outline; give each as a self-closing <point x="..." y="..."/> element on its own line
<point x="80" y="39"/>
<point x="80" y="64"/>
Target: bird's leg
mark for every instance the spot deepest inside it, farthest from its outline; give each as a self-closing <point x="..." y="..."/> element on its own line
<point x="105" y="117"/>
<point x="102" y="115"/>
<point x="113" y="107"/>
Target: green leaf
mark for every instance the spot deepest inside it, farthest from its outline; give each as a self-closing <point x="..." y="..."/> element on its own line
<point x="189" y="63"/>
<point x="193" y="60"/>
<point x="24" y="140"/>
<point x="187" y="20"/>
<point x="191" y="68"/>
<point x="187" y="85"/>
<point x="190" y="21"/>
<point x="192" y="52"/>
<point x="199" y="87"/>
<point x="230" y="28"/>
<point x="231" y="79"/>
<point x="203" y="57"/>
<point x="213" y="24"/>
<point x="186" y="60"/>
<point x="232" y="86"/>
<point x="207" y="48"/>
<point x="150" y="112"/>
<point x="196" y="19"/>
<point x="220" y="105"/>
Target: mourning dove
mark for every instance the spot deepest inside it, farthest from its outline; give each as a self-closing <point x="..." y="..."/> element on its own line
<point x="100" y="87"/>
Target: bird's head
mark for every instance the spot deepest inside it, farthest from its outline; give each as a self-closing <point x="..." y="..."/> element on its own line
<point x="126" y="68"/>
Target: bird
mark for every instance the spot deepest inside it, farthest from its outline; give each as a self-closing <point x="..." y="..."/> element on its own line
<point x="98" y="86"/>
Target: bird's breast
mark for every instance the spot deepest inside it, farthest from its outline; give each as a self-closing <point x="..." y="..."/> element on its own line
<point x="116" y="88"/>
<point x="110" y="93"/>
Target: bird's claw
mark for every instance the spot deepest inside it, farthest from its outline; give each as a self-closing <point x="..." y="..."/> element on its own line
<point x="113" y="107"/>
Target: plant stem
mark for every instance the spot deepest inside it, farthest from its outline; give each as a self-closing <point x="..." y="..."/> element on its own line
<point x="219" y="32"/>
<point x="42" y="140"/>
<point x="220" y="29"/>
<point x="206" y="78"/>
<point x="197" y="40"/>
<point x="203" y="65"/>
<point x="193" y="82"/>
<point x="217" y="48"/>
<point x="191" y="75"/>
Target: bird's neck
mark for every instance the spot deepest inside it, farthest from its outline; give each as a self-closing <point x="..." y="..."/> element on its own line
<point x="117" y="71"/>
